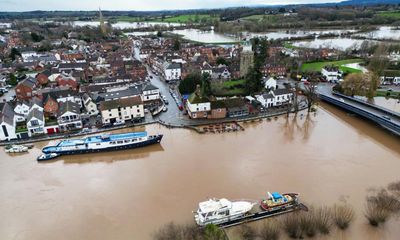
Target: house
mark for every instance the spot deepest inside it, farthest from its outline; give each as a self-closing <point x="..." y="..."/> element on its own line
<point x="50" y="106"/>
<point x="271" y="84"/>
<point x="43" y="77"/>
<point x="218" y="110"/>
<point x="172" y="72"/>
<point x="7" y="123"/>
<point x="331" y="73"/>
<point x="236" y="107"/>
<point x="274" y="69"/>
<point x="90" y="105"/>
<point x="69" y="116"/>
<point x="24" y="89"/>
<point x="67" y="81"/>
<point x="282" y="96"/>
<point x="221" y="73"/>
<point x="62" y="94"/>
<point x="150" y="93"/>
<point x="275" y="98"/>
<point x="198" y="106"/>
<point x="267" y="100"/>
<point x="122" y="110"/>
<point x="35" y="122"/>
<point x="22" y="108"/>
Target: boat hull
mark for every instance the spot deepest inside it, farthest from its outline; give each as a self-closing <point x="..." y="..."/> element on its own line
<point x="154" y="140"/>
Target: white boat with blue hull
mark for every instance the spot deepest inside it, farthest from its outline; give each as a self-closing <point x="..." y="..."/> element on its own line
<point x="102" y="143"/>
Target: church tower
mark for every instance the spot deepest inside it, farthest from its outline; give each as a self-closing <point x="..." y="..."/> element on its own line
<point x="246" y="59"/>
<point x="103" y="27"/>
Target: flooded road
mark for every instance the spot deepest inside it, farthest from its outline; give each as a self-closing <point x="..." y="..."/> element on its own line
<point x="327" y="158"/>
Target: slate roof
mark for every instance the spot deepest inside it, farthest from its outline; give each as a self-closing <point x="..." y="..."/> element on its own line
<point x="124" y="102"/>
<point x="281" y="91"/>
<point x="35" y="113"/>
<point x="7" y="114"/>
<point x="174" y="66"/>
<point x="69" y="106"/>
<point x="29" y="82"/>
<point x="130" y="92"/>
<point x="149" y="87"/>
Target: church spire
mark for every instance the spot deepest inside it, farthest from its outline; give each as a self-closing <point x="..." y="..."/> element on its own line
<point x="102" y="24"/>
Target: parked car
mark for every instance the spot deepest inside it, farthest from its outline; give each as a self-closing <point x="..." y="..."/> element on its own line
<point x="166" y="101"/>
<point x="119" y="123"/>
<point x="85" y="130"/>
<point x="165" y="109"/>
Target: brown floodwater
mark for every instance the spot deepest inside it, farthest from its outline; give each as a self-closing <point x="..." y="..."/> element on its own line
<point x="329" y="157"/>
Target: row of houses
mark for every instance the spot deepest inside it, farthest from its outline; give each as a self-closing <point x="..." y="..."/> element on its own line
<point x="200" y="107"/>
<point x="62" y="109"/>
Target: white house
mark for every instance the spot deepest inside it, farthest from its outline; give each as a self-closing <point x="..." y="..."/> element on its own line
<point x="35" y="122"/>
<point x="198" y="106"/>
<point x="271" y="84"/>
<point x="7" y="123"/>
<point x="150" y="93"/>
<point x="332" y="74"/>
<point x="266" y="100"/>
<point x="22" y="108"/>
<point x="69" y="117"/>
<point x="122" y="110"/>
<point x="275" y="98"/>
<point x="90" y="105"/>
<point x="172" y="71"/>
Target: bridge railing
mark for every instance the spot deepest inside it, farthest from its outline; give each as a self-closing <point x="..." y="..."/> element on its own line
<point x="385" y="110"/>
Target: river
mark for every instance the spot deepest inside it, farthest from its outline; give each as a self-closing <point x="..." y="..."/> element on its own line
<point x="327" y="158"/>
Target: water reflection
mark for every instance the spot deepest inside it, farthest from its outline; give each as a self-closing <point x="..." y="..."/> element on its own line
<point x="109" y="157"/>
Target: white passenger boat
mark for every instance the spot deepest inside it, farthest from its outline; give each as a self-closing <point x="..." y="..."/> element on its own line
<point x="219" y="211"/>
<point x="16" y="149"/>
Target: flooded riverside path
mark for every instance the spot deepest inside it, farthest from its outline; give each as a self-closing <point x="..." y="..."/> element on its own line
<point x="327" y="158"/>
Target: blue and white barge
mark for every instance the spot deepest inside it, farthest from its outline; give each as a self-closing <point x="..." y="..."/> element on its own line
<point x="102" y="143"/>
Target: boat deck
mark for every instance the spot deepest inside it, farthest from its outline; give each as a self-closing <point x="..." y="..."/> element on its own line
<point x="257" y="214"/>
<point x="98" y="139"/>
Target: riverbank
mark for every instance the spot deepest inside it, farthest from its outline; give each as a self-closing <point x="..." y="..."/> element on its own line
<point x="187" y="124"/>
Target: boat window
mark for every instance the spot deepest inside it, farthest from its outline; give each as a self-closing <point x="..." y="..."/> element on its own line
<point x="119" y="142"/>
<point x="112" y="142"/>
<point x="97" y="144"/>
<point x="127" y="141"/>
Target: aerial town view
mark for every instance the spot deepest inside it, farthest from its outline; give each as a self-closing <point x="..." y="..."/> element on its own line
<point x="199" y="119"/>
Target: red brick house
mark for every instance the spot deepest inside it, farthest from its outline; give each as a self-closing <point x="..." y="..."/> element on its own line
<point x="274" y="69"/>
<point x="43" y="77"/>
<point x="50" y="106"/>
<point x="67" y="81"/>
<point x="24" y="89"/>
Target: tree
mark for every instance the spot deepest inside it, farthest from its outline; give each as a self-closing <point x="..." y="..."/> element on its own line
<point x="360" y="84"/>
<point x="253" y="82"/>
<point x="212" y="232"/>
<point x="159" y="34"/>
<point x="189" y="84"/>
<point x="14" y="53"/>
<point x="310" y="92"/>
<point x="223" y="61"/>
<point x="206" y="85"/>
<point x="12" y="80"/>
<point x="177" y="45"/>
<point x="36" y="37"/>
<point x="379" y="60"/>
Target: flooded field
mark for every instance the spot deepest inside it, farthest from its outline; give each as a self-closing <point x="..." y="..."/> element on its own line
<point x="327" y="157"/>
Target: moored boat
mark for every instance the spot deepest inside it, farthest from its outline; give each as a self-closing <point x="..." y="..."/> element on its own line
<point x="16" y="149"/>
<point x="277" y="201"/>
<point x="47" y="156"/>
<point x="219" y="211"/>
<point x="100" y="143"/>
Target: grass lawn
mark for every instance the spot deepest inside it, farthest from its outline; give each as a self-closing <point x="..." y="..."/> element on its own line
<point x="317" y="66"/>
<point x="229" y="88"/>
<point x="390" y="14"/>
<point x="384" y="93"/>
<point x="185" y="18"/>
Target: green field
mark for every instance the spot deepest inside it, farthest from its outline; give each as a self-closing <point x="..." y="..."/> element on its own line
<point x="390" y="14"/>
<point x="317" y="66"/>
<point x="189" y="17"/>
<point x="270" y="18"/>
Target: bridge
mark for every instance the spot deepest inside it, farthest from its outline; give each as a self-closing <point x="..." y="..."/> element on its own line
<point x="386" y="118"/>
